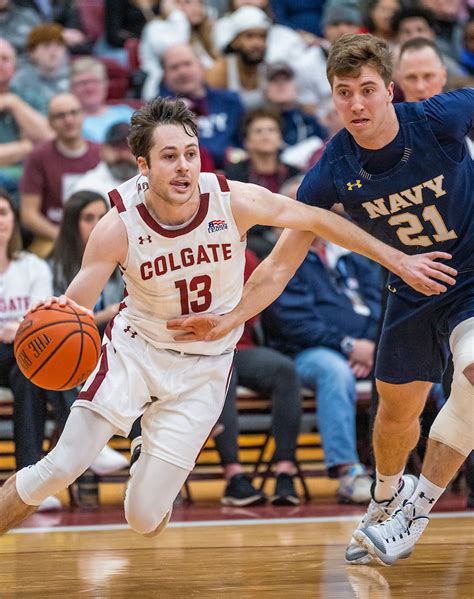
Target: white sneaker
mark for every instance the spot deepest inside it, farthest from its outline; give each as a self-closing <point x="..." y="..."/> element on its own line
<point x="378" y="512"/>
<point x="355" y="485"/>
<point x="50" y="504"/>
<point x="395" y="538"/>
<point x="108" y="461"/>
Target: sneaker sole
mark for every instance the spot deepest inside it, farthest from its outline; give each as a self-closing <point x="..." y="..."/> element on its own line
<point x="375" y="553"/>
<point x="232" y="501"/>
<point x="278" y="500"/>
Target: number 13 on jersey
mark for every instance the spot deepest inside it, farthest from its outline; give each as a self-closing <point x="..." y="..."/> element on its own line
<point x="201" y="286"/>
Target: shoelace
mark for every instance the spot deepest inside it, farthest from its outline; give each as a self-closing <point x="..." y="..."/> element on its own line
<point x="400" y="523"/>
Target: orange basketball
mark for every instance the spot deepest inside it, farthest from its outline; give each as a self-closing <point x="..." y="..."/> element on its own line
<point x="57" y="348"/>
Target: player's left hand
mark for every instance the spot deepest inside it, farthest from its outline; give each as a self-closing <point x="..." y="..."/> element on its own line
<point x="196" y="328"/>
<point x="423" y="272"/>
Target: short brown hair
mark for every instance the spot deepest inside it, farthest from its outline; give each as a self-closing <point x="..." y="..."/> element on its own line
<point x="351" y="52"/>
<point x="15" y="244"/>
<point x="261" y="112"/>
<point x="44" y="34"/>
<point x="162" y="111"/>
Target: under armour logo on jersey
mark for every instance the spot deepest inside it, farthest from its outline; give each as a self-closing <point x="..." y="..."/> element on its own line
<point x="216" y="225"/>
<point x="129" y="329"/>
<point x="141" y="240"/>
<point x="350" y="186"/>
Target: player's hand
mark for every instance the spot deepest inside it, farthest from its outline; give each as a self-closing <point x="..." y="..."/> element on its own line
<point x="425" y="274"/>
<point x="205" y="327"/>
<point x="62" y="301"/>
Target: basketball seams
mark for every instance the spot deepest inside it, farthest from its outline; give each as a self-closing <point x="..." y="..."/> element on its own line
<point x="52" y="324"/>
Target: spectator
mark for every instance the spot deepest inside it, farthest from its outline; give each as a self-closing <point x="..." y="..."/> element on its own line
<point x="302" y="15"/>
<point x="89" y="83"/>
<point x="242" y="69"/>
<point x="201" y="30"/>
<point x="282" y="94"/>
<point x="15" y="23"/>
<point x="171" y="27"/>
<point x="378" y="16"/>
<point x="66" y="14"/>
<point x="327" y="319"/>
<point x="313" y="85"/>
<point x="125" y="19"/>
<point x="416" y="21"/>
<point x="283" y="43"/>
<point x="219" y="111"/>
<point x="448" y="25"/>
<point x="24" y="279"/>
<point x="116" y="166"/>
<point x="21" y="125"/>
<point x="263" y="370"/>
<point x="263" y="142"/>
<point x="47" y="70"/>
<point x="466" y="57"/>
<point x="51" y="169"/>
<point x="420" y="71"/>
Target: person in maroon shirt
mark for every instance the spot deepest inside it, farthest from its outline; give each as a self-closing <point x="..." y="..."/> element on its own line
<point x="266" y="371"/>
<point x="51" y="169"/>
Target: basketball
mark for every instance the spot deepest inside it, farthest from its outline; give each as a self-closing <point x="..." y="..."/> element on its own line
<point x="57" y="348"/>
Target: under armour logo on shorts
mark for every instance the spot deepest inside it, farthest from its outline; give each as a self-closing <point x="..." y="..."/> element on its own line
<point x="350" y="186"/>
<point x="141" y="240"/>
<point x="129" y="329"/>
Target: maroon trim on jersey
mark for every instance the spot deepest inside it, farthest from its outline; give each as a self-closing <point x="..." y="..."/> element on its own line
<point x="89" y="394"/>
<point x="223" y="183"/>
<point x="109" y="327"/>
<point x="117" y="200"/>
<point x="197" y="220"/>
<point x="229" y="376"/>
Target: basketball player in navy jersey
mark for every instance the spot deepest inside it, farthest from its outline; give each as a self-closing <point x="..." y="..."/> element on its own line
<point x="403" y="174"/>
<point x="178" y="236"/>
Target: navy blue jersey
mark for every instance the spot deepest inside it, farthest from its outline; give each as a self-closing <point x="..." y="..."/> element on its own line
<point x="416" y="193"/>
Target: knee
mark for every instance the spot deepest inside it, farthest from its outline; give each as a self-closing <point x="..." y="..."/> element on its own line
<point x="142" y="518"/>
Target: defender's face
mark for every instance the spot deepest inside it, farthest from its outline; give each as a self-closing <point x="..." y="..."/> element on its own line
<point x="421" y="74"/>
<point x="363" y="103"/>
<point x="174" y="165"/>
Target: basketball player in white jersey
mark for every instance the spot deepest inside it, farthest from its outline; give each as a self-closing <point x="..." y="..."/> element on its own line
<point x="179" y="238"/>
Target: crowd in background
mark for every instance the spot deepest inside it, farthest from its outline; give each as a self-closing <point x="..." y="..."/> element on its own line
<point x="253" y="71"/>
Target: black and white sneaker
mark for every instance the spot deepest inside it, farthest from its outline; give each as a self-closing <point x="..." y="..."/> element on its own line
<point x="285" y="493"/>
<point x="135" y="451"/>
<point x="240" y="492"/>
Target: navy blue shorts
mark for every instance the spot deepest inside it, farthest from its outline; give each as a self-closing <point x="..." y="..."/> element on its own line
<point x="414" y="344"/>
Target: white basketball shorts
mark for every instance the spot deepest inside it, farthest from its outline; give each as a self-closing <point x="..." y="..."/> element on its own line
<point x="179" y="395"/>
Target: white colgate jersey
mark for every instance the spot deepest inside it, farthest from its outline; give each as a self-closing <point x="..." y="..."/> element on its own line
<point x="193" y="269"/>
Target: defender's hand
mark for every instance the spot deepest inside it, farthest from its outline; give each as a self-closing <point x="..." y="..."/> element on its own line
<point x="205" y="327"/>
<point x="422" y="272"/>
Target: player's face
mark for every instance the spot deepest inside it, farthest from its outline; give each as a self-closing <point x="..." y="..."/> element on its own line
<point x="7" y="221"/>
<point x="90" y="215"/>
<point x="421" y="74"/>
<point x="363" y="104"/>
<point x="174" y="166"/>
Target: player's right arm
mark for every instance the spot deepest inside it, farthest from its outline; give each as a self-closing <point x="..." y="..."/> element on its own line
<point x="107" y="247"/>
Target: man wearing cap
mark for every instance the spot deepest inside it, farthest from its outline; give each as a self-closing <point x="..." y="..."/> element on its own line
<point x="47" y="70"/>
<point x="338" y="19"/>
<point x="242" y="68"/>
<point x="51" y="169"/>
<point x="282" y="93"/>
<point x="116" y="166"/>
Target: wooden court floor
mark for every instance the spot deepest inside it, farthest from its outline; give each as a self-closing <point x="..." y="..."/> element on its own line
<point x="280" y="559"/>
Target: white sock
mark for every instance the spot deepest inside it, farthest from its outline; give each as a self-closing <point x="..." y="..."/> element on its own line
<point x="426" y="495"/>
<point x="386" y="485"/>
